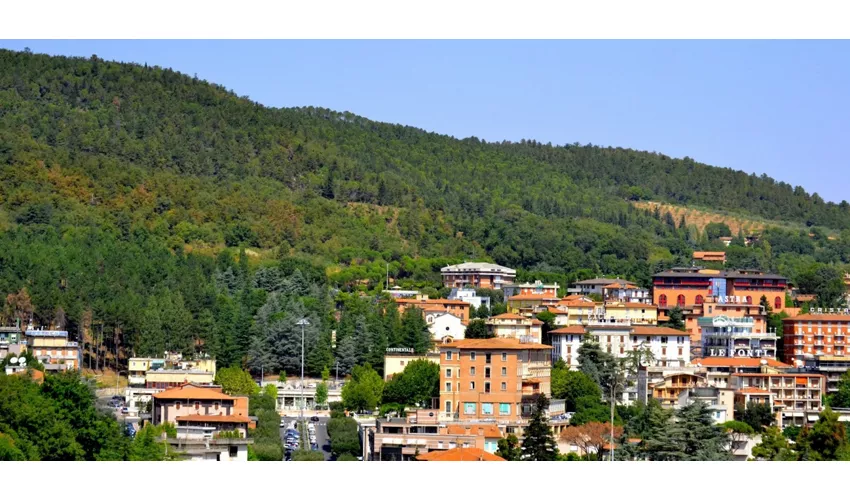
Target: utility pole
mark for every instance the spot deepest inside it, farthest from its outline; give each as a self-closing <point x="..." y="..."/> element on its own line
<point x="336" y="382"/>
<point x="303" y="323"/>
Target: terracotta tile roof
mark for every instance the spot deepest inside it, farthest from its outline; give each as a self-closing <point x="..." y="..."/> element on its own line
<point x="533" y="296"/>
<point x="460" y="455"/>
<point x="573" y="296"/>
<point x="739" y="362"/>
<point x="753" y="390"/>
<point x="656" y="330"/>
<point x="189" y="391"/>
<point x="214" y="419"/>
<point x="818" y="317"/>
<point x="494" y="343"/>
<point x="488" y="431"/>
<point x="631" y="305"/>
<point x="555" y="310"/>
<point x="617" y="286"/>
<point x="432" y="301"/>
<point x="572" y="330"/>
<point x="536" y="321"/>
<point x="508" y="316"/>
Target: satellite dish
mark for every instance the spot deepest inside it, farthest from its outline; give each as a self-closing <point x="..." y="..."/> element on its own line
<point x="23" y="362"/>
<point x="14" y="360"/>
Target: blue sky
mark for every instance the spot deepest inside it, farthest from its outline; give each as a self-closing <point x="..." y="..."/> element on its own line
<point x="775" y="107"/>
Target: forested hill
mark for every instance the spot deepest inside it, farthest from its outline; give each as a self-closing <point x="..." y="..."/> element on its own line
<point x="121" y="182"/>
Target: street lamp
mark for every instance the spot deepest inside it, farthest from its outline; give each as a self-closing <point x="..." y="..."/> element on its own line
<point x="614" y="385"/>
<point x="303" y="323"/>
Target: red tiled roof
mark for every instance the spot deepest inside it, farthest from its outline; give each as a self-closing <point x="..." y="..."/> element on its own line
<point x="739" y="362"/>
<point x="493" y="343"/>
<point x="535" y="321"/>
<point x="488" y="431"/>
<point x="574" y="330"/>
<point x="432" y="301"/>
<point x="656" y="330"/>
<point x="213" y="419"/>
<point x="460" y="455"/>
<point x="189" y="391"/>
<point x="818" y="317"/>
<point x="509" y="316"/>
<point x="753" y="390"/>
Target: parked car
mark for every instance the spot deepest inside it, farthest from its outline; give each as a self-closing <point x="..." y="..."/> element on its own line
<point x="125" y="410"/>
<point x="314" y="418"/>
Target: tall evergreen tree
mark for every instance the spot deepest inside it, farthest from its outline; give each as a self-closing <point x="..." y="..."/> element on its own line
<point x="538" y="443"/>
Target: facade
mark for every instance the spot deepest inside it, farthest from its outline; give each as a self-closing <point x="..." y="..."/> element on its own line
<point x="718" y="371"/>
<point x="422" y="431"/>
<point x="797" y="396"/>
<point x="831" y="367"/>
<point x="396" y="363"/>
<point x="477" y="275"/>
<point x="492" y="380"/>
<point x="11" y="335"/>
<point x="53" y="350"/>
<point x="668" y="391"/>
<point x="634" y="313"/>
<point x="444" y="325"/>
<point x="514" y="326"/>
<point x="200" y="443"/>
<point x="687" y="286"/>
<point x="710" y="256"/>
<point x="574" y="311"/>
<point x="727" y="306"/>
<point x="457" y="307"/>
<point x="724" y="336"/>
<point x="193" y="405"/>
<point x="626" y="292"/>
<point x="292" y="397"/>
<point x="596" y="285"/>
<point x="721" y="401"/>
<point x="815" y="335"/>
<point x="669" y="347"/>
<point x="533" y="298"/>
<point x="166" y="379"/>
<point x="469" y="296"/>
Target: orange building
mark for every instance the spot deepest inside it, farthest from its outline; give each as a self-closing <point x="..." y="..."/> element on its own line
<point x="797" y="396"/>
<point x="457" y="307"/>
<point x="688" y="286"/>
<point x="533" y="298"/>
<point x="492" y="379"/>
<point x="191" y="404"/>
<point x="712" y="307"/>
<point x="815" y="335"/>
<point x="710" y="256"/>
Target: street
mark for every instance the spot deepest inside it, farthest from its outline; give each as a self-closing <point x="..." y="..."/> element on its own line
<point x="321" y="434"/>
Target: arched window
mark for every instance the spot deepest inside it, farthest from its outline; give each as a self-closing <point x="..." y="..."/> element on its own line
<point x="749" y="299"/>
<point x="698" y="299"/>
<point x="680" y="300"/>
<point x="662" y="300"/>
<point x="777" y="304"/>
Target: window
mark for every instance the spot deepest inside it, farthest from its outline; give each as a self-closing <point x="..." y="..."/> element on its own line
<point x="486" y="386"/>
<point x="662" y="300"/>
<point x="663" y="340"/>
<point x="216" y="406"/>
<point x="680" y="340"/>
<point x="504" y="408"/>
<point x="663" y="352"/>
<point x="487" y="408"/>
<point x="472" y="371"/>
<point x="487" y="358"/>
<point x="472" y="386"/>
<point x="448" y="355"/>
<point x="777" y="303"/>
<point x="504" y="356"/>
<point x="749" y="299"/>
<point x="469" y="408"/>
<point x="448" y="406"/>
<point x="680" y="300"/>
<point x="177" y="405"/>
<point x="505" y="370"/>
<point x="448" y="373"/>
<point x="402" y="363"/>
<point x="698" y="299"/>
<point x="448" y="387"/>
<point x="198" y="404"/>
<point x="504" y="386"/>
<point x="487" y="372"/>
<point x="233" y="451"/>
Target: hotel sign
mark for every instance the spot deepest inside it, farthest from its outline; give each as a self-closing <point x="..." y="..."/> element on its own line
<point x="408" y="350"/>
<point x="737" y="353"/>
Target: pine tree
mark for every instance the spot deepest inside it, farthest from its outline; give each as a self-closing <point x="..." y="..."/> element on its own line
<point x="415" y="330"/>
<point x="538" y="443"/>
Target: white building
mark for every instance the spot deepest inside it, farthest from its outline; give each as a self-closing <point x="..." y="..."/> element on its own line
<point x="725" y="336"/>
<point x="442" y="325"/>
<point x="477" y="275"/>
<point x="669" y="347"/>
<point x="469" y="296"/>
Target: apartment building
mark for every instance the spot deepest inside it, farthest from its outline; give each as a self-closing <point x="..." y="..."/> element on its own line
<point x="191" y="405"/>
<point x="686" y="286"/>
<point x="633" y="313"/>
<point x="11" y="335"/>
<point x="718" y="371"/>
<point x="396" y="363"/>
<point x="492" y="380"/>
<point x="815" y="334"/>
<point x="720" y="401"/>
<point x="668" y="390"/>
<point x="531" y="298"/>
<point x="626" y="292"/>
<point x="149" y="376"/>
<point x="470" y="296"/>
<point x="712" y="306"/>
<point x="457" y="307"/>
<point x="797" y="396"/>
<point x="724" y="336"/>
<point x="573" y="310"/>
<point x="477" y="275"/>
<point x="831" y="367"/>
<point x="514" y="326"/>
<point x="53" y="349"/>
<point x="669" y="347"/>
<point x="422" y="431"/>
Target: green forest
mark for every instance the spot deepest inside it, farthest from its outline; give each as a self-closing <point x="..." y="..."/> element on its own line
<point x="157" y="211"/>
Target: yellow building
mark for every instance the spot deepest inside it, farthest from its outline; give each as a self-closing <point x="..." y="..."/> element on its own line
<point x="164" y="379"/>
<point x="396" y="362"/>
<point x="53" y="350"/>
<point x="634" y="313"/>
<point x="514" y="326"/>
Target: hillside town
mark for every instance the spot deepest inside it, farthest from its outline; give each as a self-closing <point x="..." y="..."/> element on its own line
<point x="734" y="343"/>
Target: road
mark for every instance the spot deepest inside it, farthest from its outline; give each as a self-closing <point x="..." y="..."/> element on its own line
<point x="322" y="441"/>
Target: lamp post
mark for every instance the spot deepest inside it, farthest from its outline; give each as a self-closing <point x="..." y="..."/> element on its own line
<point x="303" y="323"/>
<point x="615" y="383"/>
